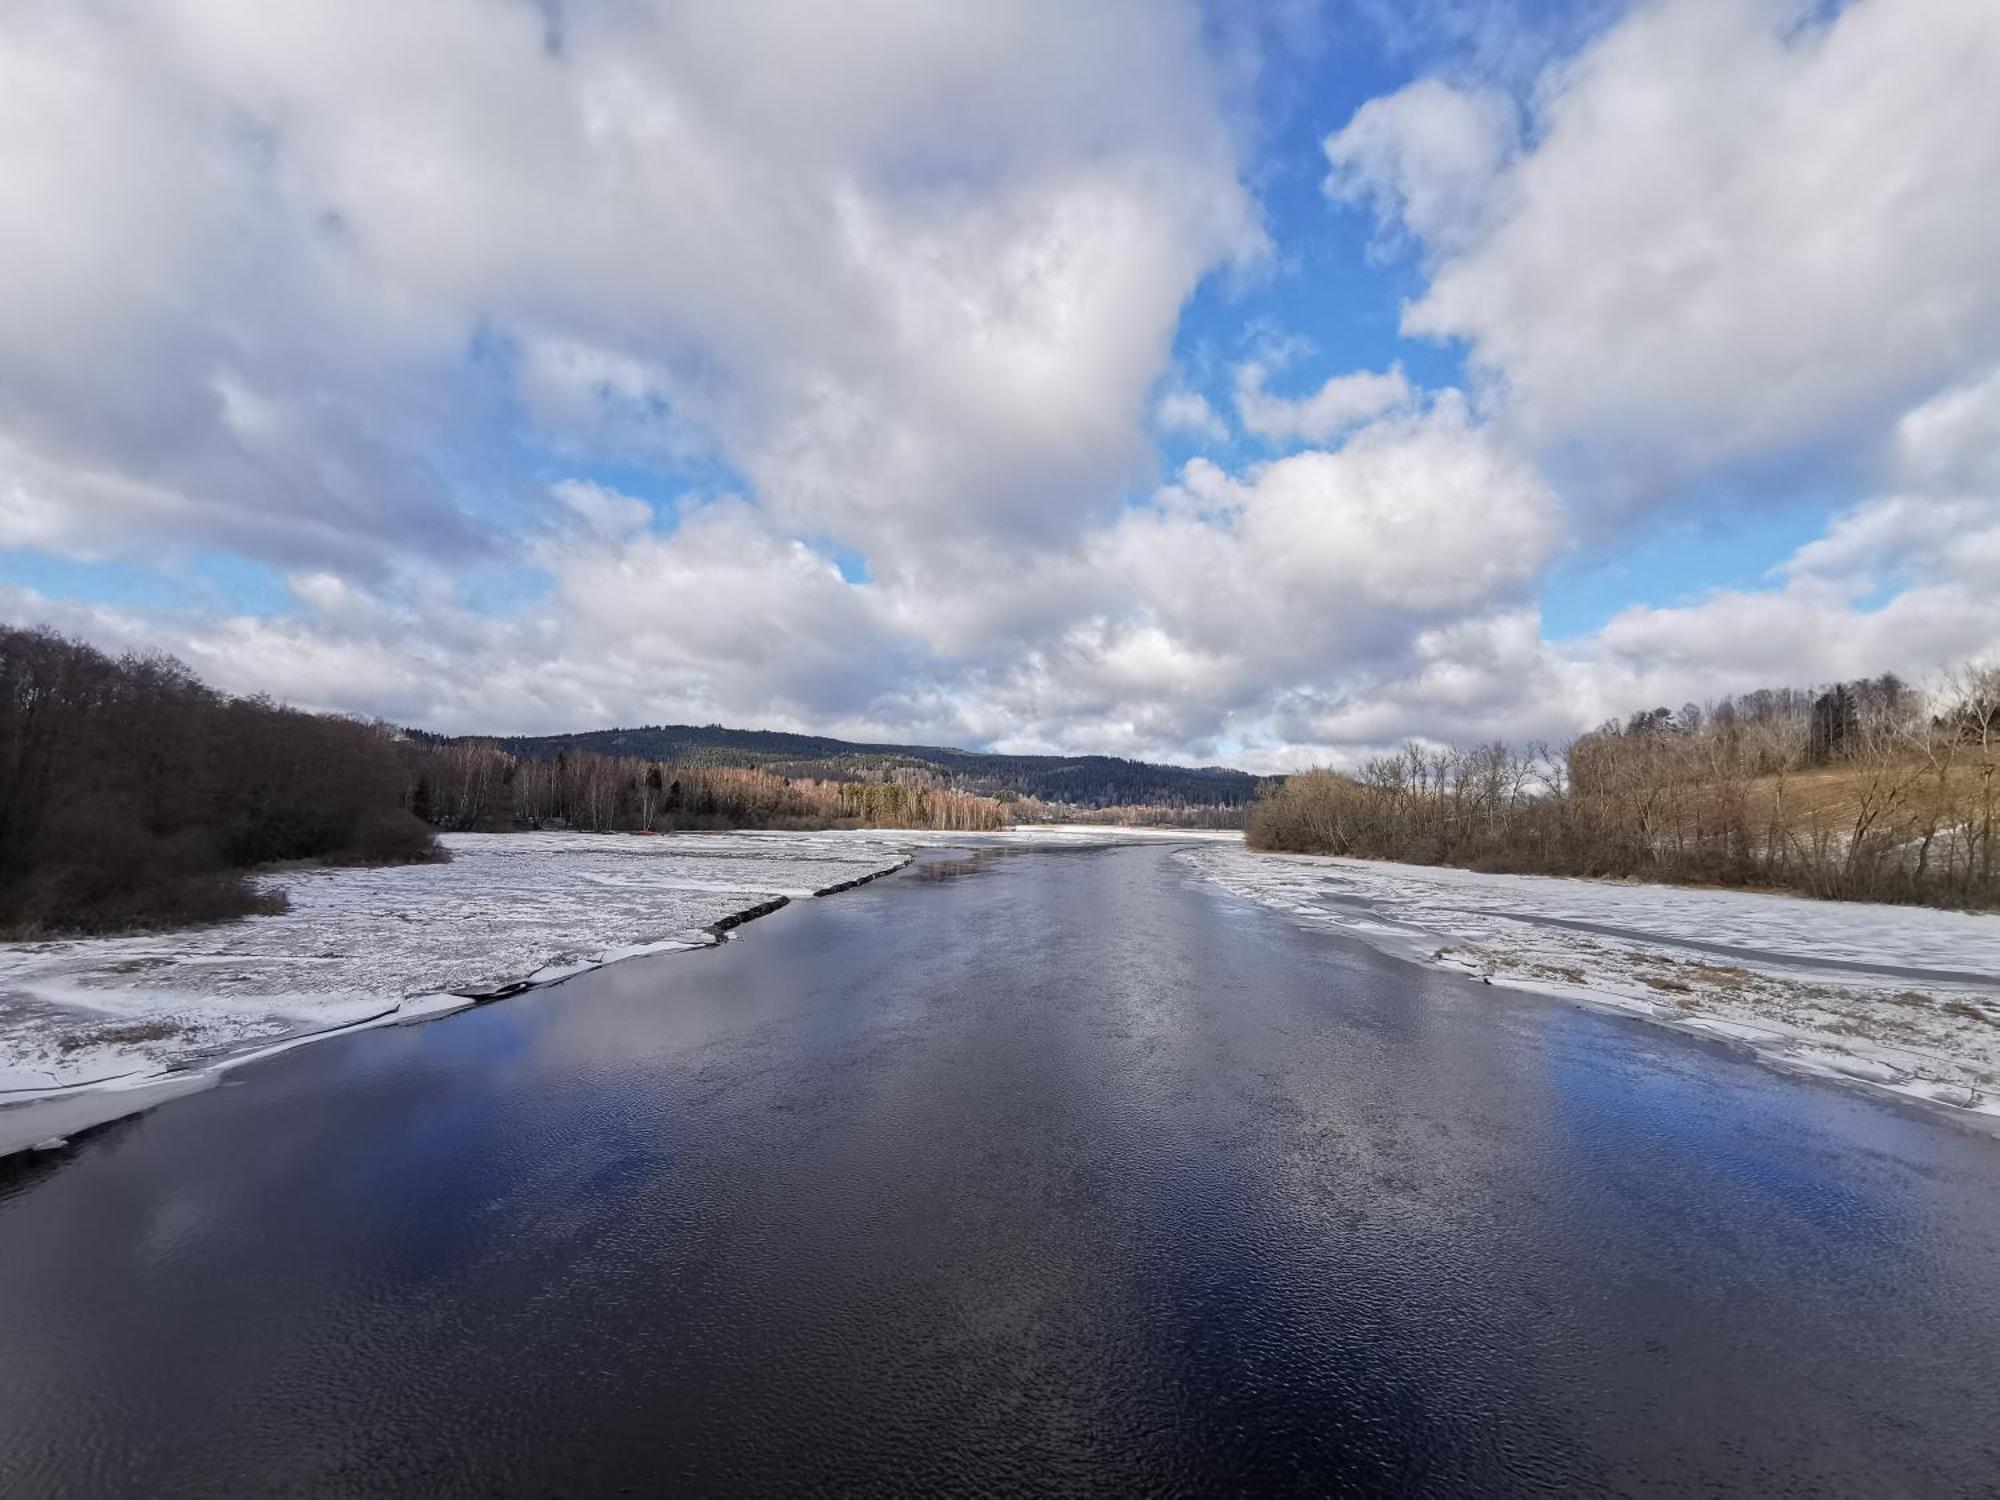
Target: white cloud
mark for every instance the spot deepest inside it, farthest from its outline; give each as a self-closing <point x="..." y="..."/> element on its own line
<point x="1425" y="512"/>
<point x="1173" y="628"/>
<point x="1808" y="631"/>
<point x="1427" y="158"/>
<point x="1951" y="444"/>
<point x="1188" y="414"/>
<point x="1897" y="538"/>
<point x="908" y="276"/>
<point x="1344" y="401"/>
<point x="606" y="513"/>
<point x="1737" y="225"/>
<point x="1200" y="614"/>
<point x="908" y="269"/>
<point x="1898" y="583"/>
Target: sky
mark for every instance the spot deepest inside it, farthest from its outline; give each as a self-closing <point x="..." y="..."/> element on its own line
<point x="1261" y="384"/>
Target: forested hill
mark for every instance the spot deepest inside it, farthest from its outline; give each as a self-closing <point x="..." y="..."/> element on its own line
<point x="1093" y="781"/>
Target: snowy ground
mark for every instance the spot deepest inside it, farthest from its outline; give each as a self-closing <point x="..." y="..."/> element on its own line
<point x="136" y="1016"/>
<point x="359" y="942"/>
<point x="1903" y="998"/>
<point x="1900" y="997"/>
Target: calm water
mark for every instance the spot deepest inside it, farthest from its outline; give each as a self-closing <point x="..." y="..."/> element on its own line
<point x="1040" y="1171"/>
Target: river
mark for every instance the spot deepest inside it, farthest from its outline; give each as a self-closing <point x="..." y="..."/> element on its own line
<point x="1027" y="1171"/>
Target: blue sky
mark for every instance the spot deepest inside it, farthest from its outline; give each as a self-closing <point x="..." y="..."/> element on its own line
<point x="1268" y="383"/>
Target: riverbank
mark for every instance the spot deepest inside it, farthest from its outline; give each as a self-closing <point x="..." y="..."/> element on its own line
<point x="1894" y="997"/>
<point x="1061" y="1168"/>
<point x="92" y="1029"/>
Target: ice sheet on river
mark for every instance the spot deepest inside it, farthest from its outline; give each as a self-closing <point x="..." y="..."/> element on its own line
<point x="362" y="946"/>
<point x="360" y="943"/>
<point x="1901" y="997"/>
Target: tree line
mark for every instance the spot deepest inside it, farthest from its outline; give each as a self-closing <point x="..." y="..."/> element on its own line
<point x="132" y="796"/>
<point x="1128" y="814"/>
<point x="1866" y="790"/>
<point x="1070" y="783"/>
<point x="474" y="785"/>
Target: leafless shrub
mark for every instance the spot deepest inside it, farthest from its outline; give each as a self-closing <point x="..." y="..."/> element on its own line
<point x="1868" y="790"/>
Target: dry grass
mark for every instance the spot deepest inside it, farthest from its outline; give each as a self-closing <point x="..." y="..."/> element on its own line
<point x="1970" y="1012"/>
<point x="1722" y="976"/>
<point x="123" y="1035"/>
<point x="1830" y="795"/>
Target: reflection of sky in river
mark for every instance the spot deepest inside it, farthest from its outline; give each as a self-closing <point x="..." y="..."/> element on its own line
<point x="1071" y="1166"/>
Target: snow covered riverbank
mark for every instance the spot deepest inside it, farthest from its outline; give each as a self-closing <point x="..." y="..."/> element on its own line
<point x="508" y="908"/>
<point x="1903" y="998"/>
<point x="92" y="1028"/>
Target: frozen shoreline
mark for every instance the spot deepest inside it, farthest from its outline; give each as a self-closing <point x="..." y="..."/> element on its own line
<point x="92" y="1029"/>
<point x="509" y="910"/>
<point x="1904" y="999"/>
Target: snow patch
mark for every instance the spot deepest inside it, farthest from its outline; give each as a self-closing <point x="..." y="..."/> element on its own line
<point x="138" y="1017"/>
<point x="1900" y="998"/>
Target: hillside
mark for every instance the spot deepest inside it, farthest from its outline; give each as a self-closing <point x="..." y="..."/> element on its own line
<point x="1083" y="781"/>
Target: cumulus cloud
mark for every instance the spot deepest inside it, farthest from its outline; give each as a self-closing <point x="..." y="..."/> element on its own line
<point x="1188" y="414"/>
<point x="1211" y="604"/>
<point x="1810" y="631"/>
<point x="1736" y="226"/>
<point x="904" y="279"/>
<point x="723" y="619"/>
<point x="1427" y="159"/>
<point x="604" y="512"/>
<point x="1177" y="627"/>
<point x="1342" y="402"/>
<point x="1420" y="513"/>
<point x="1951" y="443"/>
<point x="1900" y="582"/>
<point x="905" y="267"/>
<point x="1718" y="238"/>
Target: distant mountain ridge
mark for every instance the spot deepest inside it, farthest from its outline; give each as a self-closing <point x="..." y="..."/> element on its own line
<point x="1092" y="781"/>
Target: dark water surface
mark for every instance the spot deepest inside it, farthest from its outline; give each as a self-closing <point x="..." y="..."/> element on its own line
<point x="1041" y="1171"/>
